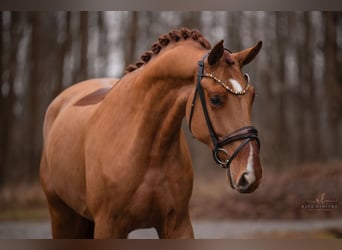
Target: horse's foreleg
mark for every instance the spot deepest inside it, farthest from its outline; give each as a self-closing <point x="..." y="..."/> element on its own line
<point x="108" y="229"/>
<point x="66" y="223"/>
<point x="176" y="228"/>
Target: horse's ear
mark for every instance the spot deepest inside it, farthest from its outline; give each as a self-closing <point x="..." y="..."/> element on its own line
<point x="247" y="55"/>
<point x="216" y="53"/>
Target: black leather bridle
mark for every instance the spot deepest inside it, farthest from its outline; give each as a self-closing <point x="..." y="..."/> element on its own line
<point x="247" y="133"/>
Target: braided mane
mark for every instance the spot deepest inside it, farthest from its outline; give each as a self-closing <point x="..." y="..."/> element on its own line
<point x="164" y="40"/>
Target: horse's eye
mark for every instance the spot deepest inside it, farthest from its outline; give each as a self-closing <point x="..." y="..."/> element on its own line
<point x="216" y="100"/>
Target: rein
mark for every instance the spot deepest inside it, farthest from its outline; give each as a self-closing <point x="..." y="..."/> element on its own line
<point x="247" y="133"/>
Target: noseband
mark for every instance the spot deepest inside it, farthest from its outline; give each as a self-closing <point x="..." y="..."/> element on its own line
<point x="247" y="133"/>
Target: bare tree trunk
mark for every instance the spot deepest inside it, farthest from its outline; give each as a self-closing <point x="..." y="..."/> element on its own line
<point x="300" y="96"/>
<point x="131" y="38"/>
<point x="234" y="36"/>
<point x="339" y="82"/>
<point x="33" y="92"/>
<point x="84" y="45"/>
<point x="311" y="103"/>
<point x="2" y="120"/>
<point x="9" y="98"/>
<point x="281" y="121"/>
<point x="333" y="87"/>
<point x="103" y="43"/>
<point x="307" y="114"/>
<point x="62" y="51"/>
<point x="81" y="72"/>
<point x="191" y="20"/>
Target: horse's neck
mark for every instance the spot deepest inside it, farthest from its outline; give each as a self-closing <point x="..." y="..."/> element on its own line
<point x="157" y="111"/>
<point x="168" y="81"/>
<point x="150" y="102"/>
<point x="161" y="117"/>
<point x="155" y="103"/>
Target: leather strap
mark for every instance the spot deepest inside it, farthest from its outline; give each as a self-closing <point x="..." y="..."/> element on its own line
<point x="247" y="133"/>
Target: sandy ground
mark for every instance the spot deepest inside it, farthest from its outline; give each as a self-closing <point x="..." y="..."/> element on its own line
<point x="202" y="229"/>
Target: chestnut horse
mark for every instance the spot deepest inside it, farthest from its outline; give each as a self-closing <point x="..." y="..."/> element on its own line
<point x="115" y="158"/>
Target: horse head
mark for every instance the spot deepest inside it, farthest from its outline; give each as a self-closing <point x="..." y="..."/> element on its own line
<point x="219" y="114"/>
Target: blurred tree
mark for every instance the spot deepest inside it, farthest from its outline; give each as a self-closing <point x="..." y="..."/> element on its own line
<point x="102" y="43"/>
<point x="63" y="50"/>
<point x="233" y="36"/>
<point x="131" y="37"/>
<point x="313" y="137"/>
<point x="282" y="33"/>
<point x="191" y="20"/>
<point x="36" y="50"/>
<point x="308" y="123"/>
<point x="298" y="82"/>
<point x="8" y="97"/>
<point x="2" y="122"/>
<point x="333" y="86"/>
<point x="81" y="71"/>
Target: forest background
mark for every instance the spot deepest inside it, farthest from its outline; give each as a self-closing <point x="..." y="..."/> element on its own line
<point x="297" y="110"/>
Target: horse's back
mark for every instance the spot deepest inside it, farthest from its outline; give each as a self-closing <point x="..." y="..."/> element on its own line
<point x="63" y="131"/>
<point x="84" y="94"/>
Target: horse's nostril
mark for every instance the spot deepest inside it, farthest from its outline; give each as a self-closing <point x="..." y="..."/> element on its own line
<point x="243" y="182"/>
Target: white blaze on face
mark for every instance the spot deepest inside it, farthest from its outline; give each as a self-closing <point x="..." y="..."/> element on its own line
<point x="250" y="175"/>
<point x="236" y="85"/>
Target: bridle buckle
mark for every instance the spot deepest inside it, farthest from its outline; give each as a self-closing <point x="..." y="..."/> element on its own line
<point x="221" y="163"/>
